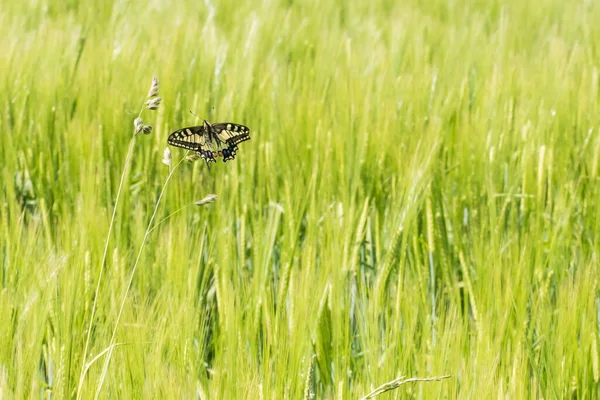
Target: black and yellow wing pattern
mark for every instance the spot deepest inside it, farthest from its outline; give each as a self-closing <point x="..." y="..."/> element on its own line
<point x="210" y="141"/>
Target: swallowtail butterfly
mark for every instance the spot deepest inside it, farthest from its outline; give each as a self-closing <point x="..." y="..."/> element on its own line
<point x="210" y="141"/>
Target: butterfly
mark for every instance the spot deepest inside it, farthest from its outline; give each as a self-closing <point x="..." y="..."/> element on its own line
<point x="210" y="141"/>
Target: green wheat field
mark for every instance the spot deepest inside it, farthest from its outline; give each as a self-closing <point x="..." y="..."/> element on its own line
<point x="419" y="200"/>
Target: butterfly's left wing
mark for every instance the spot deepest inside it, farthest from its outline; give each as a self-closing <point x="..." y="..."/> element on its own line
<point x="193" y="138"/>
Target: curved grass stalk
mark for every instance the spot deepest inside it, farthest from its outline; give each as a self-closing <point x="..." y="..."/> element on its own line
<point x="149" y="229"/>
<point x="102" y="264"/>
<point x="153" y="92"/>
<point x="170" y="215"/>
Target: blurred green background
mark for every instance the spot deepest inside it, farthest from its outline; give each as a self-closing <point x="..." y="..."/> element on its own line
<point x="419" y="198"/>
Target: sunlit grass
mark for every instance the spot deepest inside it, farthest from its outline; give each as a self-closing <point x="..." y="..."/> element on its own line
<point x="419" y="199"/>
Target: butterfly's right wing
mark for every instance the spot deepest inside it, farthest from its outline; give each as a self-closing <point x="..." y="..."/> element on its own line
<point x="230" y="133"/>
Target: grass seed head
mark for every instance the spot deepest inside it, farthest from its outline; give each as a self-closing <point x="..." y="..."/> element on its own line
<point x="153" y="88"/>
<point x="147" y="129"/>
<point x="207" y="200"/>
<point x="153" y="104"/>
<point x="167" y="159"/>
<point x="138" y="123"/>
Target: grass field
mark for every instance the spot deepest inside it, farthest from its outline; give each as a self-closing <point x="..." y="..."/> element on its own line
<point x="420" y="198"/>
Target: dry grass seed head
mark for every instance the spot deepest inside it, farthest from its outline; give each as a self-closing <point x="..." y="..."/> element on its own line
<point x="207" y="200"/>
<point x="153" y="88"/>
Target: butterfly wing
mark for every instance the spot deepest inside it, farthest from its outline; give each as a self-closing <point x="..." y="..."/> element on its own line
<point x="191" y="138"/>
<point x="231" y="134"/>
<point x="194" y="138"/>
<point x="229" y="152"/>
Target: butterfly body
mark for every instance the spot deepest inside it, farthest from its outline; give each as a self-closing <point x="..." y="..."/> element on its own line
<point x="210" y="141"/>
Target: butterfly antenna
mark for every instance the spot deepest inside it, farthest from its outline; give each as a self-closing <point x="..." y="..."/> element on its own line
<point x="191" y="112"/>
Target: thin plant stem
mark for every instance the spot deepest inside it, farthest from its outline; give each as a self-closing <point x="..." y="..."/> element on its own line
<point x="396" y="383"/>
<point x="137" y="261"/>
<point x="170" y="215"/>
<point x="102" y="264"/>
<point x="128" y="158"/>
